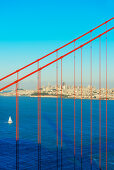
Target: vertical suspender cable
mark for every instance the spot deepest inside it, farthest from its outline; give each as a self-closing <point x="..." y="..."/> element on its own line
<point x="100" y="103"/>
<point x="17" y="127"/>
<point x="81" y="108"/>
<point x="61" y="113"/>
<point x="57" y="104"/>
<point x="38" y="118"/>
<point x="74" y="106"/>
<point x="106" y="97"/>
<point x="91" y="96"/>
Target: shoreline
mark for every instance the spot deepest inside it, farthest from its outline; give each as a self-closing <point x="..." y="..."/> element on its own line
<point x="52" y="96"/>
<point x="69" y="97"/>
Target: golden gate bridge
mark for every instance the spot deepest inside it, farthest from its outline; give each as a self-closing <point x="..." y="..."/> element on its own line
<point x="39" y="71"/>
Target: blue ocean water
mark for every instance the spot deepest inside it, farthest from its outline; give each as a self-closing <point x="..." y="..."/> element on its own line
<point x="28" y="147"/>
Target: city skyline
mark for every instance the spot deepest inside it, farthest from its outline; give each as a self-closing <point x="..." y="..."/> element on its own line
<point x="67" y="92"/>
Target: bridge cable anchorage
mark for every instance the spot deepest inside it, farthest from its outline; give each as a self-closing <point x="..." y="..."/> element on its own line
<point x="100" y="103"/>
<point x="74" y="106"/>
<point x="61" y="113"/>
<point x="81" y="108"/>
<point x="106" y="97"/>
<point x="57" y="104"/>
<point x="17" y="127"/>
<point x="91" y="96"/>
<point x="55" y="50"/>
<point x="22" y="78"/>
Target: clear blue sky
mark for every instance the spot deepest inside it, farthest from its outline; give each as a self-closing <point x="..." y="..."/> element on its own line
<point x="31" y="28"/>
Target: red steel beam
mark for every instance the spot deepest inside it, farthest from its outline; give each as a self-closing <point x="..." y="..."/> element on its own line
<point x="55" y="50"/>
<point x="55" y="60"/>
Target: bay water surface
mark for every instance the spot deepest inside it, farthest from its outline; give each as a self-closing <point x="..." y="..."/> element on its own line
<point x="50" y="158"/>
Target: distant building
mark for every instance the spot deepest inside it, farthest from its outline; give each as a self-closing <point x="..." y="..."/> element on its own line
<point x="64" y="85"/>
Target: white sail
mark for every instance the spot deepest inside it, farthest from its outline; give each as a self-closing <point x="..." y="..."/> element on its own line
<point x="10" y="120"/>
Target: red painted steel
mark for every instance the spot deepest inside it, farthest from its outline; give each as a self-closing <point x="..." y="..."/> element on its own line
<point x="55" y="60"/>
<point x="91" y="94"/>
<point x="106" y="97"/>
<point x="17" y="112"/>
<point x="57" y="105"/>
<point x="61" y="103"/>
<point x="74" y="100"/>
<point x="100" y="103"/>
<point x="61" y="115"/>
<point x="81" y="103"/>
<point x="39" y="90"/>
<point x="38" y="105"/>
<point x="57" y="96"/>
<point x="55" y="50"/>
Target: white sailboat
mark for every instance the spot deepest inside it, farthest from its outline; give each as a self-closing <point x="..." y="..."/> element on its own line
<point x="10" y="120"/>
